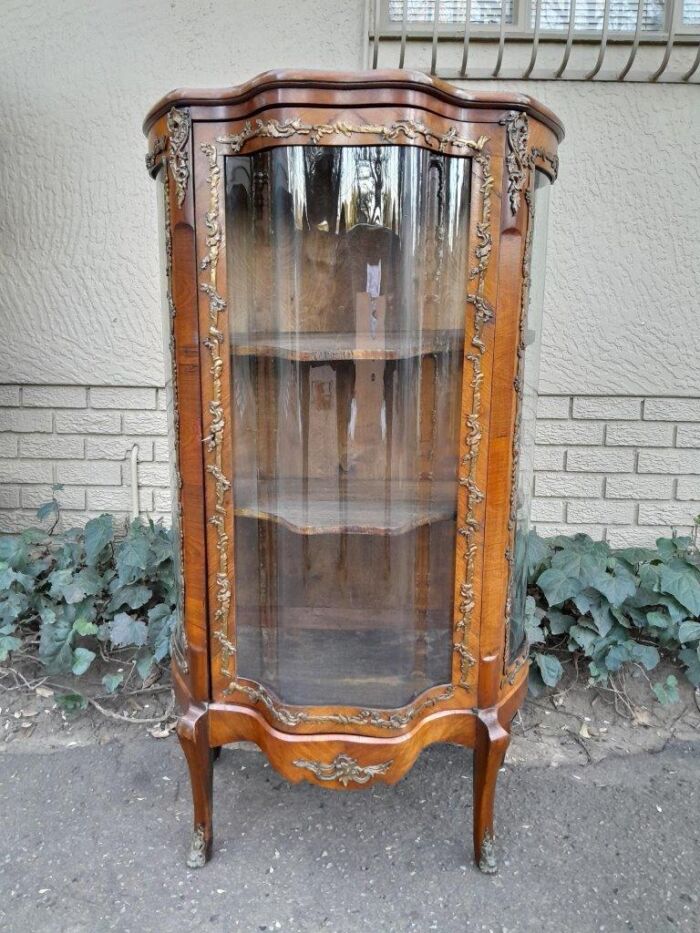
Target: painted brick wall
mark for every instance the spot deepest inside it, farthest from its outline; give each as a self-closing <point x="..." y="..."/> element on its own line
<point x="623" y="468"/>
<point x="627" y="469"/>
<point x="81" y="437"/>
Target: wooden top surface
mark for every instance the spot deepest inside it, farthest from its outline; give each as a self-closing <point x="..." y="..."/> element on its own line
<point x="354" y="80"/>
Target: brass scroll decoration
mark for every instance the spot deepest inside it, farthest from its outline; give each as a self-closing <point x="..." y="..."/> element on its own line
<point x="364" y="717"/>
<point x="343" y="769"/>
<point x="214" y="440"/>
<point x="407" y="129"/>
<point x="179" y="123"/>
<point x="160" y="144"/>
<point x="483" y="313"/>
<point x="517" y="129"/>
<point x="178" y="639"/>
<point x="546" y="156"/>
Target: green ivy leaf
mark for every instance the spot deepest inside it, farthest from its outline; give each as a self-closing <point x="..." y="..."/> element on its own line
<point x="550" y="668"/>
<point x="647" y="655"/>
<point x="12" y="606"/>
<point x="667" y="692"/>
<point x="8" y="643"/>
<point x="133" y="595"/>
<point x="658" y="619"/>
<point x="558" y="587"/>
<point x="144" y="663"/>
<point x="11" y="550"/>
<point x="636" y="555"/>
<point x="615" y="586"/>
<point x="688" y="631"/>
<point x="112" y="681"/>
<point x="48" y="508"/>
<point x="667" y="548"/>
<point x="71" y="702"/>
<point x="691" y="658"/>
<point x="585" y="566"/>
<point x="99" y="532"/>
<point x="125" y="630"/>
<point x="84" y="626"/>
<point x="160" y="628"/>
<point x="681" y="581"/>
<point x="559" y="622"/>
<point x="55" y="643"/>
<point x="583" y="638"/>
<point x="82" y="659"/>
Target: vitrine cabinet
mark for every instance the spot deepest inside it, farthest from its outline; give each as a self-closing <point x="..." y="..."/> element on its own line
<point x="353" y="271"/>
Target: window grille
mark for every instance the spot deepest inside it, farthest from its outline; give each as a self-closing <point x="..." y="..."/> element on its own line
<point x="608" y="40"/>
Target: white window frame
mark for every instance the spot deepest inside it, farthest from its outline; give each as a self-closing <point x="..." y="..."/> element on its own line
<point x="521" y="27"/>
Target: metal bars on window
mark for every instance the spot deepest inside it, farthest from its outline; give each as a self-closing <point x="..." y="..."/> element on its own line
<point x="582" y="40"/>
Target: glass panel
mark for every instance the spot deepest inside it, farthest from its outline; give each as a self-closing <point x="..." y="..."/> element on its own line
<point x="451" y="11"/>
<point x="622" y="16"/>
<point x="346" y="276"/>
<point x="528" y="415"/>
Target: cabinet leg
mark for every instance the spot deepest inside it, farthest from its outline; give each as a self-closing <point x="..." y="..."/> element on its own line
<point x="193" y="735"/>
<point x="491" y="743"/>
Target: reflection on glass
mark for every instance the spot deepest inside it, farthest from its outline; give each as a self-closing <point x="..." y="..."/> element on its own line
<point x="347" y="270"/>
<point x="528" y="415"/>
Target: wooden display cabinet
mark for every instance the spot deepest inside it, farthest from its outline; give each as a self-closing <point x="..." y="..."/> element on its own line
<point x="353" y="373"/>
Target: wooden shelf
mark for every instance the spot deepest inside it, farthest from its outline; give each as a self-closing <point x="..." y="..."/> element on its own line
<point x="320" y="347"/>
<point x="362" y="507"/>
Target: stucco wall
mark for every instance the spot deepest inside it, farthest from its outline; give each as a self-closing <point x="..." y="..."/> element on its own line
<point x="79" y="282"/>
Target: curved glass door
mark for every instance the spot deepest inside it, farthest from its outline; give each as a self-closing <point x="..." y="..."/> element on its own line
<point x="528" y="417"/>
<point x="347" y="274"/>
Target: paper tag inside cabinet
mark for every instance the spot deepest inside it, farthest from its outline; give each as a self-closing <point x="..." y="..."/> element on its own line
<point x="370" y="307"/>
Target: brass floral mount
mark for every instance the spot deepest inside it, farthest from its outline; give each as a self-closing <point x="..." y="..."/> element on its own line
<point x="197" y="856"/>
<point x="378" y="719"/>
<point x="179" y="124"/>
<point x="343" y="769"/>
<point x="391" y="132"/>
<point x="487" y="860"/>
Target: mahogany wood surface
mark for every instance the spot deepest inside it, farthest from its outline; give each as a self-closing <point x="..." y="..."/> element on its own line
<point x="335" y="746"/>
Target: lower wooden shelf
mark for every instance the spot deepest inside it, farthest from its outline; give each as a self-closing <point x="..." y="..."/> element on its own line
<point x="321" y="506"/>
<point x="325" y="347"/>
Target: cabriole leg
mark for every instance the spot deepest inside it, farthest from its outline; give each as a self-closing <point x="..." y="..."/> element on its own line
<point x="192" y="732"/>
<point x="490" y="748"/>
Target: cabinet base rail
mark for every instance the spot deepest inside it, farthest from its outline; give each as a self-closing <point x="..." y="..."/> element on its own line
<point x="349" y="762"/>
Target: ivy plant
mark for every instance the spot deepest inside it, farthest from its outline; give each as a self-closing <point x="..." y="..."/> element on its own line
<point x="85" y="588"/>
<point x="613" y="606"/>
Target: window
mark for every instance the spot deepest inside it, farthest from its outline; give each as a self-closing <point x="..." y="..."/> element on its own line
<point x="520" y="15"/>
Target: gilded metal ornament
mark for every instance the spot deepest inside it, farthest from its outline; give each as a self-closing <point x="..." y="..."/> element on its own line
<point x="178" y="640"/>
<point x="179" y="124"/>
<point x="487" y="859"/>
<point x="469" y="525"/>
<point x="400" y="129"/>
<point x="365" y="717"/>
<point x="160" y="144"/>
<point x="517" y="129"/>
<point x="197" y="855"/>
<point x="544" y="156"/>
<point x="214" y="440"/>
<point x="343" y="769"/>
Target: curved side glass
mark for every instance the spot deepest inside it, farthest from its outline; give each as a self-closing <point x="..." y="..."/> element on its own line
<point x="528" y="417"/>
<point x="347" y="269"/>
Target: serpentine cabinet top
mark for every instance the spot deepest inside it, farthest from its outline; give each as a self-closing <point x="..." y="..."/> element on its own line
<point x="298" y="88"/>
